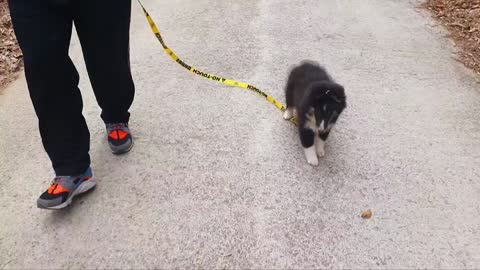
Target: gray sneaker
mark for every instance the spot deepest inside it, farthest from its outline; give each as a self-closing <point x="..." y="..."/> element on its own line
<point x="64" y="188"/>
<point x="119" y="138"/>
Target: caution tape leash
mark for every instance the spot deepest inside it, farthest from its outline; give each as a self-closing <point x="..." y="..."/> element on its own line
<point x="206" y="75"/>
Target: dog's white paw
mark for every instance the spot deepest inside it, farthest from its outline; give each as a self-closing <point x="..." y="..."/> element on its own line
<point x="311" y="155"/>
<point x="288" y="113"/>
<point x="320" y="147"/>
<point x="320" y="152"/>
<point x="313" y="161"/>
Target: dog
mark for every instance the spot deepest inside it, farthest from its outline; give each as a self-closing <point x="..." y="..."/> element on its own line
<point x="316" y="101"/>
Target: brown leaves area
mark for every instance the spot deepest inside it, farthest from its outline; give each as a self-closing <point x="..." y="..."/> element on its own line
<point x="462" y="19"/>
<point x="10" y="54"/>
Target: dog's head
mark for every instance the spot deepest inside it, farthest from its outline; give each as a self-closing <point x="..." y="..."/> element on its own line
<point x="326" y="101"/>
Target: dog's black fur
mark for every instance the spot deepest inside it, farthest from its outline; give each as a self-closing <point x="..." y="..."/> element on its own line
<point x="318" y="101"/>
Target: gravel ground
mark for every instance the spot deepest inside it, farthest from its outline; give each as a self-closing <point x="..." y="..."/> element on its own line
<point x="218" y="180"/>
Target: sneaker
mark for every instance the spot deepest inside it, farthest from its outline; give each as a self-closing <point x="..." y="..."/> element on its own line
<point x="119" y="138"/>
<point x="64" y="188"/>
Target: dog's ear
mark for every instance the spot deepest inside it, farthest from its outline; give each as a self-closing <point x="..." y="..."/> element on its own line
<point x="338" y="97"/>
<point x="328" y="90"/>
<point x="337" y="94"/>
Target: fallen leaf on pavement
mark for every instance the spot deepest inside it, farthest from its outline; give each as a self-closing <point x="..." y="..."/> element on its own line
<point x="367" y="214"/>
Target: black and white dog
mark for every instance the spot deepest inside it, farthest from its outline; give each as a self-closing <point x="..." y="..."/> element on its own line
<point x="316" y="101"/>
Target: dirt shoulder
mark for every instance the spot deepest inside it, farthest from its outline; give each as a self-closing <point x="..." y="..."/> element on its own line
<point x="462" y="19"/>
<point x="10" y="54"/>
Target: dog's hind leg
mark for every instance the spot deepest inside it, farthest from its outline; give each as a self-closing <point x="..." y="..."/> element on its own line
<point x="289" y="113"/>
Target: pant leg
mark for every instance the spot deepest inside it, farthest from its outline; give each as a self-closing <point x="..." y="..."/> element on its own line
<point x="43" y="29"/>
<point x="103" y="28"/>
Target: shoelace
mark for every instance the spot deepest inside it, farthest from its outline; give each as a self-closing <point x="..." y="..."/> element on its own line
<point x="58" y="180"/>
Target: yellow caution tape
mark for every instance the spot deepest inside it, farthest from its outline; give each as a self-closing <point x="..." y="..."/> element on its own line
<point x="230" y="82"/>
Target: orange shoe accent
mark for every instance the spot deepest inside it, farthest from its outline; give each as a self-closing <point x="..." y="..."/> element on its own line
<point x="57" y="189"/>
<point x="118" y="134"/>
<point x="52" y="188"/>
<point x="60" y="189"/>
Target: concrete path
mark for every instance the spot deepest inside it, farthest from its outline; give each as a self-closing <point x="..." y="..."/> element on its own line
<point x="217" y="179"/>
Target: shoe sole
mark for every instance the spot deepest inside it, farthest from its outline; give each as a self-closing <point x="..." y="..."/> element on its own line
<point x="123" y="151"/>
<point x="82" y="188"/>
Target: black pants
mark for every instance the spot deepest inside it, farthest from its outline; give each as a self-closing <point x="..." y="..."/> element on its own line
<point x="43" y="29"/>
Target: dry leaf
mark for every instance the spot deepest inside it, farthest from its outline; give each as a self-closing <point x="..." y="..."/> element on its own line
<point x="367" y="214"/>
<point x="10" y="53"/>
<point x="462" y="19"/>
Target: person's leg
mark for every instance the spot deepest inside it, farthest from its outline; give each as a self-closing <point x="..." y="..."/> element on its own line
<point x="43" y="30"/>
<point x="103" y="28"/>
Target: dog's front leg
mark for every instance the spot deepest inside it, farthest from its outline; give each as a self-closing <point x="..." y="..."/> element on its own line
<point x="320" y="143"/>
<point x="320" y="146"/>
<point x="307" y="137"/>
